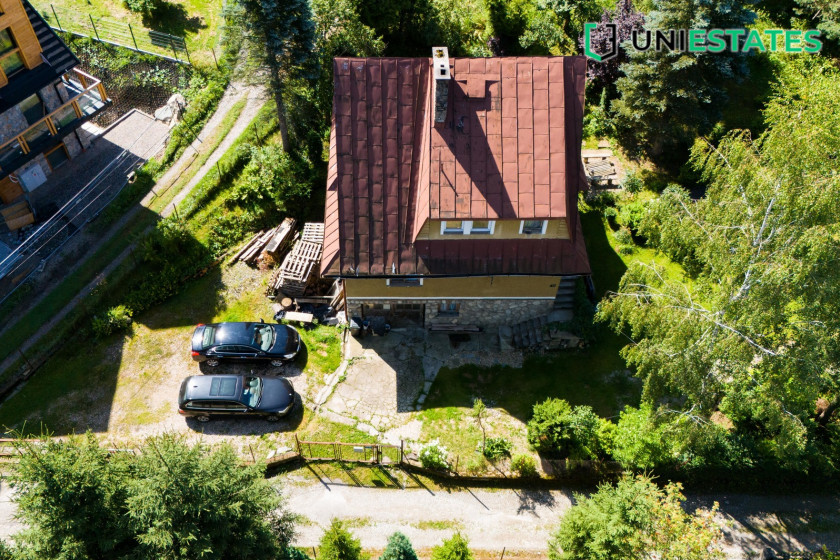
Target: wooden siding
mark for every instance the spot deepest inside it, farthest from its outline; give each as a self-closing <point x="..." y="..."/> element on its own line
<point x="15" y="19"/>
<point x="462" y="287"/>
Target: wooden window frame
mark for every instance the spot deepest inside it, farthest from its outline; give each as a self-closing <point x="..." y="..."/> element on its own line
<point x="4" y="79"/>
<point x="51" y="150"/>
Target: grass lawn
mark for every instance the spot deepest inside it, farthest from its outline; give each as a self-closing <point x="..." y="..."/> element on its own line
<point x="594" y="376"/>
<point x="198" y="21"/>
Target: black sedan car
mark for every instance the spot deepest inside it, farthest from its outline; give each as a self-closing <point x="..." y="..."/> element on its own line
<point x="245" y="341"/>
<point x="203" y="396"/>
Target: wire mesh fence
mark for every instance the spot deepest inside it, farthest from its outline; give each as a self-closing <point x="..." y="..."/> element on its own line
<point x="123" y="34"/>
<point x="372" y="453"/>
<point x="144" y="84"/>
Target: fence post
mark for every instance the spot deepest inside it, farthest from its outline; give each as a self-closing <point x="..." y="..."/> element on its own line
<point x="297" y="442"/>
<point x="172" y="44"/>
<point x="132" y="37"/>
<point x="401" y="451"/>
<point x="503" y="553"/>
<point x="56" y="17"/>
<point x="25" y="359"/>
<point x="94" y="28"/>
<point x="186" y="50"/>
<point x="216" y="60"/>
<point x="253" y="458"/>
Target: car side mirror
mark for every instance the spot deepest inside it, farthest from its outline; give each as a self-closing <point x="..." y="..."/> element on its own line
<point x="262" y="320"/>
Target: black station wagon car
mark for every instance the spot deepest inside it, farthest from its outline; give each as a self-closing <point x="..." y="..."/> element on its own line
<point x="245" y="341"/>
<point x="203" y="396"/>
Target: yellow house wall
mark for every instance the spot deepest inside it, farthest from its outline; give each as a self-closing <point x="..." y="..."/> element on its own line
<point x="14" y="17"/>
<point x="462" y="287"/>
<point x="504" y="229"/>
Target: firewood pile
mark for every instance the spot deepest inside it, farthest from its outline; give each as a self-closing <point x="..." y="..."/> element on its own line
<point x="267" y="243"/>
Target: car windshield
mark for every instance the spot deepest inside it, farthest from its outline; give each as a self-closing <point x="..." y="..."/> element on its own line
<point x="207" y="337"/>
<point x="263" y="337"/>
<point x="252" y="391"/>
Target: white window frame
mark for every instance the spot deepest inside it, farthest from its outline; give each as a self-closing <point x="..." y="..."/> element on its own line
<point x="466" y="228"/>
<point x="388" y="282"/>
<point x="542" y="231"/>
<point x="491" y="227"/>
<point x="453" y="231"/>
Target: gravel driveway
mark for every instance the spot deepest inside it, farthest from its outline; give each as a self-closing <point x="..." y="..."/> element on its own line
<point x="523" y="520"/>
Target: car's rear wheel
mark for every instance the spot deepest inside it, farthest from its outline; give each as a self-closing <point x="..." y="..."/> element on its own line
<point x="212" y="362"/>
<point x="272" y="418"/>
<point x="203" y="418"/>
<point x="277" y="363"/>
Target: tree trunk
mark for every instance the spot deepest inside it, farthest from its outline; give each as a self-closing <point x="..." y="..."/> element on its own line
<point x="276" y="83"/>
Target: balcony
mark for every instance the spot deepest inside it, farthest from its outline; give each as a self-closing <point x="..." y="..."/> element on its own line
<point x="87" y="97"/>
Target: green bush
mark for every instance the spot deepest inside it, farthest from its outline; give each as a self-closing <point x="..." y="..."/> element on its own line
<point x="398" y="548"/>
<point x="338" y="544"/>
<point x="115" y="319"/>
<point x="639" y="442"/>
<point x="633" y="183"/>
<point x="558" y="429"/>
<point x="624" y="236"/>
<point x="496" y="448"/>
<point x="434" y="456"/>
<point x="455" y="548"/>
<point x="524" y="465"/>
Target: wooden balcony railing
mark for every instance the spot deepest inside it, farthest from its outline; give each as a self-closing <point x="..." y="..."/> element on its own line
<point x="90" y="96"/>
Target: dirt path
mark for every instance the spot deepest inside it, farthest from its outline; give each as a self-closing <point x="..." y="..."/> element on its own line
<point x="523" y="520"/>
<point x="236" y="91"/>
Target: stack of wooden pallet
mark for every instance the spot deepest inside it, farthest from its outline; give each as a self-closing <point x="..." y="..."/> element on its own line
<point x="296" y="271"/>
<point x="17" y="214"/>
<point x="269" y="242"/>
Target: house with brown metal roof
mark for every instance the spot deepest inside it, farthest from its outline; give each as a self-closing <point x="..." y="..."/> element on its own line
<point x="452" y="186"/>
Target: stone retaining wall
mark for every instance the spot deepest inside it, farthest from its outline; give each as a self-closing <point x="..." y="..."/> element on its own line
<point x="487" y="313"/>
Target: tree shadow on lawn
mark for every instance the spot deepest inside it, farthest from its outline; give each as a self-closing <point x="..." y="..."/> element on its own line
<point x="174" y="19"/>
<point x="75" y="390"/>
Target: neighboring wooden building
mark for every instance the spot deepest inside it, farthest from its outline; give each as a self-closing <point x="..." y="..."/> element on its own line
<point x="44" y="100"/>
<point x="453" y="185"/>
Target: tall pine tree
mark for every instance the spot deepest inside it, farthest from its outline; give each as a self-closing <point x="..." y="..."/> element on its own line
<point x="667" y="98"/>
<point x="281" y="34"/>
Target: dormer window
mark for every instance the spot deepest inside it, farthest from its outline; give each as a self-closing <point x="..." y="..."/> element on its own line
<point x="468" y="227"/>
<point x="452" y="228"/>
<point x="533" y="227"/>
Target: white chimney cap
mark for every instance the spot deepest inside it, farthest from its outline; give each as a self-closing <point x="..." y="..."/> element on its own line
<point x="440" y="62"/>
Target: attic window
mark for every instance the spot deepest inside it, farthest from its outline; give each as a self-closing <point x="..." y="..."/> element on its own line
<point x="533" y="227"/>
<point x="452" y="228"/>
<point x="404" y="282"/>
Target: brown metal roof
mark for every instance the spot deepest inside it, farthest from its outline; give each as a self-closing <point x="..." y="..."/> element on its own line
<point x="501" y="153"/>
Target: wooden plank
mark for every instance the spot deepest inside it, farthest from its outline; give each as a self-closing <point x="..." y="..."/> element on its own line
<point x="248" y="245"/>
<point x="20" y="222"/>
<point x="282" y="235"/>
<point x="298" y="316"/>
<point x="9" y="191"/>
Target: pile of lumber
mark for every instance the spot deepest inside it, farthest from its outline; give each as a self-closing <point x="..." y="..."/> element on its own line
<point x="271" y="242"/>
<point x="294" y="274"/>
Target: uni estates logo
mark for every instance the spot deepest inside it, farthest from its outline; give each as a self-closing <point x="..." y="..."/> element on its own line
<point x="706" y="40"/>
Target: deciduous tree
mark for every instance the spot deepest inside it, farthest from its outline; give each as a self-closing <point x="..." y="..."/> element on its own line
<point x="635" y="520"/>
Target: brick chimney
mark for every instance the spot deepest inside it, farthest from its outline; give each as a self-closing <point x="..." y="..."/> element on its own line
<point x="440" y="68"/>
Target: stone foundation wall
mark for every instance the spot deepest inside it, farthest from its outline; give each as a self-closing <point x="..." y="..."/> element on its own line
<point x="487" y="313"/>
